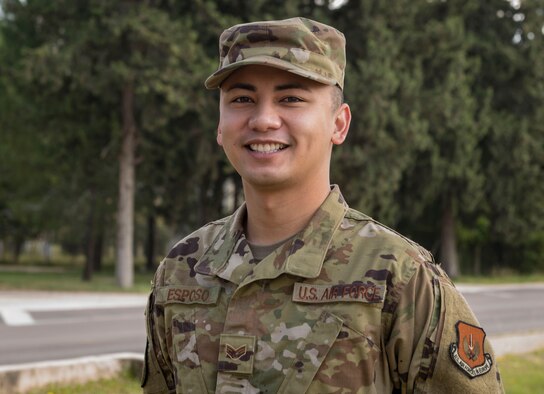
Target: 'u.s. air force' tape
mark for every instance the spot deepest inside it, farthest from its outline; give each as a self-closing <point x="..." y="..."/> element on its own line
<point x="347" y="292"/>
<point x="188" y="295"/>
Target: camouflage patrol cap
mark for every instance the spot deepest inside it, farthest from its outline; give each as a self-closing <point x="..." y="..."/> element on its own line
<point x="297" y="45"/>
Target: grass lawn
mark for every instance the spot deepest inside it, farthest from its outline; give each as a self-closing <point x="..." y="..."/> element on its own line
<point x="523" y="374"/>
<point x="67" y="279"/>
<point x="125" y="384"/>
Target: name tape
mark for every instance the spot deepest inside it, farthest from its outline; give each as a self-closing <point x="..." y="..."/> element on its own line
<point x="350" y="292"/>
<point x="188" y="295"/>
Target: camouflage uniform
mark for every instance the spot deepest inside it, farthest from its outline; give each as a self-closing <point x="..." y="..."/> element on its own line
<point x="298" y="45"/>
<point x="346" y="306"/>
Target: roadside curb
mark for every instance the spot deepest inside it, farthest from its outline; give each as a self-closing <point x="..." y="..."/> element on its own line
<point x="20" y="378"/>
<point x="476" y="288"/>
<point x="517" y="343"/>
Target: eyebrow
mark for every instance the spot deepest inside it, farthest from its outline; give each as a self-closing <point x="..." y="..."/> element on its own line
<point x="294" y="85"/>
<point x="244" y="86"/>
<point x="252" y="88"/>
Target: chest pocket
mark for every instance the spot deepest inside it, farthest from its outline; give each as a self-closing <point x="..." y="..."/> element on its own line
<point x="192" y="326"/>
<point x="350" y="365"/>
<point x="334" y="357"/>
<point x="311" y="354"/>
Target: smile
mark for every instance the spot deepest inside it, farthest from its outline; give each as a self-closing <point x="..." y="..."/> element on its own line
<point x="267" y="148"/>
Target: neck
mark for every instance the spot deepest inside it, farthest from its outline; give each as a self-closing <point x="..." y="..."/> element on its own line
<point x="273" y="216"/>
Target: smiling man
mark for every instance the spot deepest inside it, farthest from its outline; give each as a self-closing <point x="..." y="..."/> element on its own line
<point x="296" y="292"/>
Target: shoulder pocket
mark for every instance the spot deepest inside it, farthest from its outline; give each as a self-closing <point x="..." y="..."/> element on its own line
<point x="152" y="380"/>
<point x="187" y="361"/>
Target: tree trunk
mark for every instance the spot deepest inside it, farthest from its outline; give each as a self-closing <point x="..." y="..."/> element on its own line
<point x="150" y="249"/>
<point x="46" y="250"/>
<point x="98" y="247"/>
<point x="90" y="240"/>
<point x="448" y="241"/>
<point x="18" y="244"/>
<point x="478" y="260"/>
<point x="125" y="211"/>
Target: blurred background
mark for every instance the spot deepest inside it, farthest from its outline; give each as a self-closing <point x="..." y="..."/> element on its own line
<point x="107" y="134"/>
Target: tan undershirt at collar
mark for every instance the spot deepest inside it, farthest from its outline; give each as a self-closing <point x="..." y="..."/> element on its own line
<point x="261" y="251"/>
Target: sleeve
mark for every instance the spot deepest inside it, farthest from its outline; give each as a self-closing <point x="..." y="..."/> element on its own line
<point x="157" y="376"/>
<point x="437" y="345"/>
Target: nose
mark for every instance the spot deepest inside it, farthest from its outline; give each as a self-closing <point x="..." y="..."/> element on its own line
<point x="265" y="118"/>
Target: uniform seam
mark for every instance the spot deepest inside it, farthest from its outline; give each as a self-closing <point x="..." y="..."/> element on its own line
<point x="355" y="215"/>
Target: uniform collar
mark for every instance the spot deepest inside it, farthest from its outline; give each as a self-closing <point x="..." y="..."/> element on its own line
<point x="303" y="256"/>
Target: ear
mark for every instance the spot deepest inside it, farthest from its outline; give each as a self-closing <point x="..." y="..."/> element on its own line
<point x="219" y="137"/>
<point x="341" y="124"/>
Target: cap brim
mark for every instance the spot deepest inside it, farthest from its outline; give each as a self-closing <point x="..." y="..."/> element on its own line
<point x="216" y="79"/>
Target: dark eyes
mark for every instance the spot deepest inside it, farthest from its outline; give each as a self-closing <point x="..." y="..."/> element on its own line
<point x="287" y="99"/>
<point x="243" y="99"/>
<point x="292" y="99"/>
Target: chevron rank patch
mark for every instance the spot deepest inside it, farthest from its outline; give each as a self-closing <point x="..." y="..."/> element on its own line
<point x="236" y="353"/>
<point x="468" y="352"/>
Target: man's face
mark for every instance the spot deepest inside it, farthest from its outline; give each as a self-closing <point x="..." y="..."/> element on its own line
<point x="277" y="128"/>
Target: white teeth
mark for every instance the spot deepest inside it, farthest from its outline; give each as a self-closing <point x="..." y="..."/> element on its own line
<point x="266" y="148"/>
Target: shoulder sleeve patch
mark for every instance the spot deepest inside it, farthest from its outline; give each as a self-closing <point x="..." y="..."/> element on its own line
<point x="468" y="352"/>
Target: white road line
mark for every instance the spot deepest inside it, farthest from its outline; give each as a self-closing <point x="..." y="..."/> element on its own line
<point x="16" y="317"/>
<point x="15" y="307"/>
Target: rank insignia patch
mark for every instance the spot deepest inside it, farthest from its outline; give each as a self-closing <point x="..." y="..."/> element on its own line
<point x="468" y="351"/>
<point x="235" y="353"/>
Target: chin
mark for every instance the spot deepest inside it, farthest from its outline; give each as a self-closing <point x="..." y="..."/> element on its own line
<point x="266" y="181"/>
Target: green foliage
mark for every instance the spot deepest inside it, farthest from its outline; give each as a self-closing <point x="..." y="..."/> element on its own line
<point x="382" y="88"/>
<point x="446" y="99"/>
<point x="532" y="252"/>
<point x="67" y="279"/>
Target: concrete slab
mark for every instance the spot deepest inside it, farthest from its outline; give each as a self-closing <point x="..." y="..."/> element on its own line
<point x="18" y="379"/>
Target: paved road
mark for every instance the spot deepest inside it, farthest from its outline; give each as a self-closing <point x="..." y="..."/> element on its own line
<point x="507" y="308"/>
<point x="50" y="326"/>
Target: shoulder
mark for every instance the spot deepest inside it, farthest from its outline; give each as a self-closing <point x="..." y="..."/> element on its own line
<point x="371" y="228"/>
<point x="381" y="254"/>
<point x="187" y="251"/>
<point x="198" y="240"/>
<point x="374" y="239"/>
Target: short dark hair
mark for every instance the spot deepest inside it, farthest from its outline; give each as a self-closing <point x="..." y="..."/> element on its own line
<point x="337" y="98"/>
